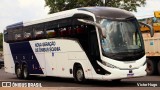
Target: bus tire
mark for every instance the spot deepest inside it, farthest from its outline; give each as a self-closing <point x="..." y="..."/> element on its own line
<point x="150" y="67"/>
<point x="25" y="72"/>
<point x="158" y="66"/>
<point x="79" y="74"/>
<point x="18" y="72"/>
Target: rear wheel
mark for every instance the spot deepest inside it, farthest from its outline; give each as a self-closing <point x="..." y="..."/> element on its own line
<point x="18" y="72"/>
<point x="79" y="74"/>
<point x="25" y="72"/>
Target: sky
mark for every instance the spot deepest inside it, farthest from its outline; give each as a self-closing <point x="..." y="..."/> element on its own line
<point x="13" y="11"/>
<point x="148" y="9"/>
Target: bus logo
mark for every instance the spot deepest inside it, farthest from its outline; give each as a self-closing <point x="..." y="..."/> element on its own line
<point x="130" y="66"/>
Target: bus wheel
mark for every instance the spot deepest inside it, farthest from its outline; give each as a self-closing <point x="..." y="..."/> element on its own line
<point x="79" y="74"/>
<point x="158" y="67"/>
<point x="150" y="67"/>
<point x="25" y="72"/>
<point x="18" y="72"/>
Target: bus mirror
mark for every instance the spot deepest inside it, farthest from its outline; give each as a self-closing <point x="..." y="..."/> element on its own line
<point x="150" y="28"/>
<point x="102" y="32"/>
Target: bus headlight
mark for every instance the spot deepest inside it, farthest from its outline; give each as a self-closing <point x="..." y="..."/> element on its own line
<point x="108" y="64"/>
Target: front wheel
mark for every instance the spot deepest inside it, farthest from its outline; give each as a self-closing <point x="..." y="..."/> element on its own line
<point x="79" y="74"/>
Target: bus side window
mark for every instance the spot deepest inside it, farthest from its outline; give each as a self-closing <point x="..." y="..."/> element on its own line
<point x="5" y="33"/>
<point x="64" y="26"/>
<point x="94" y="48"/>
<point x="69" y="31"/>
<point x="51" y="29"/>
<point x="63" y="32"/>
<point x="18" y="37"/>
<point x="74" y="30"/>
<point x="38" y="31"/>
<point x="7" y="36"/>
<point x="51" y="33"/>
<point x="27" y="35"/>
<point x="80" y="29"/>
<point x="39" y="34"/>
<point x="18" y="34"/>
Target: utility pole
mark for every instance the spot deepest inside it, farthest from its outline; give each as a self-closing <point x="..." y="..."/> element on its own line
<point x="104" y="2"/>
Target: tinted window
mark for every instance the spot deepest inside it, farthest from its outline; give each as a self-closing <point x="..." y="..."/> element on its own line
<point x="28" y="33"/>
<point x="6" y="36"/>
<point x="39" y="31"/>
<point x="17" y="34"/>
<point x="51" y="33"/>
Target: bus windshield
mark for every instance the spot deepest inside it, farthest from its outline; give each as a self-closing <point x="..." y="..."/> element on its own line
<point x="121" y="36"/>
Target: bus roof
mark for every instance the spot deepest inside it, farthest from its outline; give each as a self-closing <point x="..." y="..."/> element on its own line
<point x="108" y="12"/>
<point x="19" y="24"/>
<point x="54" y="16"/>
<point x="97" y="11"/>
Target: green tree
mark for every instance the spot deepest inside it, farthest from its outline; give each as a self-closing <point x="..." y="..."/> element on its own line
<point x="60" y="5"/>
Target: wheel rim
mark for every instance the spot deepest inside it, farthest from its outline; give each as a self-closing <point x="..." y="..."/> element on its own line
<point x="18" y="72"/>
<point x="149" y="68"/>
<point x="25" y="73"/>
<point x="79" y="75"/>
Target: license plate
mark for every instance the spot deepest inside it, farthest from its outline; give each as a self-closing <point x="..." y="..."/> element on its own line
<point x="130" y="74"/>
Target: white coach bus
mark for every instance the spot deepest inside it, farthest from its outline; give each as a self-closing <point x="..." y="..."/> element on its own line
<point x="101" y="43"/>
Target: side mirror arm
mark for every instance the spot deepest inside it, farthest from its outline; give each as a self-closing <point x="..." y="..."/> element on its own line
<point x="93" y="23"/>
<point x="150" y="27"/>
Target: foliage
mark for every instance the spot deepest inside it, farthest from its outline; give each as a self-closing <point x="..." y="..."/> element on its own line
<point x="60" y="5"/>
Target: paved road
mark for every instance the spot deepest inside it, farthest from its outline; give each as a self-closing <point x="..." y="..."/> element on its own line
<point x="62" y="84"/>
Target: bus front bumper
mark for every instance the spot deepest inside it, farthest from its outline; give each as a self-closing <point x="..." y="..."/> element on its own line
<point x="121" y="74"/>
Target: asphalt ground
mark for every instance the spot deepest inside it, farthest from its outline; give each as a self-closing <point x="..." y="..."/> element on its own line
<point x="54" y="83"/>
